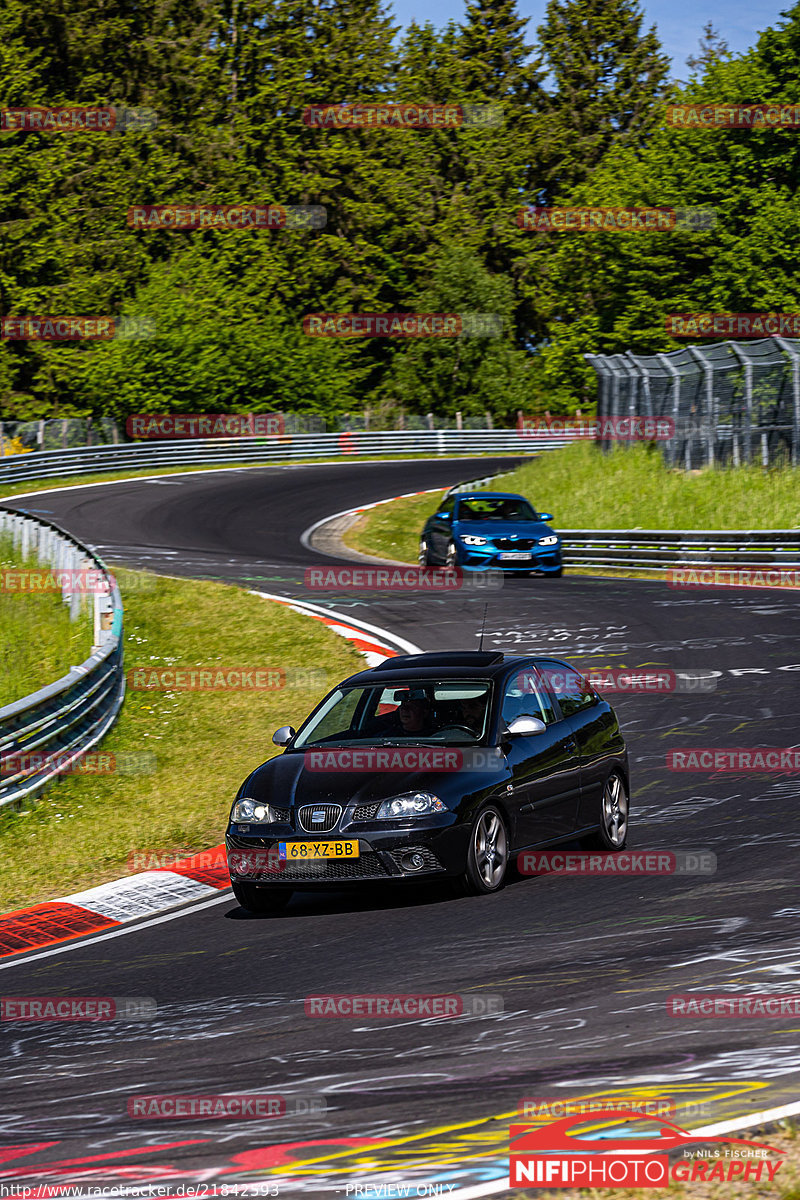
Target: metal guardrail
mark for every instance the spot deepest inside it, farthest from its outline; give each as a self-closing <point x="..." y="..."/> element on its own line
<point x="62" y="721"/>
<point x="658" y="549"/>
<point x="44" y="464"/>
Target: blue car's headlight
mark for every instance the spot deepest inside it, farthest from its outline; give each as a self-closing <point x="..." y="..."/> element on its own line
<point x="411" y="804"/>
<point x="548" y="541"/>
<point x="469" y="539"/>
<point x="253" y="810"/>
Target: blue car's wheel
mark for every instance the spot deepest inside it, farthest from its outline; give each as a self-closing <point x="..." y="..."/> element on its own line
<point x="423" y="558"/>
<point x="451" y="562"/>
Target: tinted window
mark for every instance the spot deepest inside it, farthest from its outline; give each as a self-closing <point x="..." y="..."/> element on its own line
<point x="473" y="508"/>
<point x="526" y="697"/>
<point x="445" y="711"/>
<point x="572" y="690"/>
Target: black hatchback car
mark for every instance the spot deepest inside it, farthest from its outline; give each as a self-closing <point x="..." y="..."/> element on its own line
<point x="431" y="765"/>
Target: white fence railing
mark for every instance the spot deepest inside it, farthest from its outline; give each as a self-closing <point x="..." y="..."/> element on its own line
<point x="42" y="734"/>
<point x="658" y="549"/>
<point x="82" y="460"/>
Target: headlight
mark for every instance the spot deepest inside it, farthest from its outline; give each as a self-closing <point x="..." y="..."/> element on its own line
<point x="253" y="810"/>
<point x="469" y="539"/>
<point x="412" y="804"/>
<point x="548" y="541"/>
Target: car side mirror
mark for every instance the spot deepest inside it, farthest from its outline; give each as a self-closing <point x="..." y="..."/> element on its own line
<point x="525" y="726"/>
<point x="545" y="516"/>
<point x="282" y="736"/>
<point x="443" y="514"/>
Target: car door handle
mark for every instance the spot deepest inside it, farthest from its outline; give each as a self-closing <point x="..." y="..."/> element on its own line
<point x="571" y="744"/>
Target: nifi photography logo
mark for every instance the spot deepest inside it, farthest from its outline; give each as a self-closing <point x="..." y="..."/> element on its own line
<point x="561" y="1154"/>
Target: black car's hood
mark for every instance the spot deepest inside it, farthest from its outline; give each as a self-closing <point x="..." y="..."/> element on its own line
<point x="289" y="779"/>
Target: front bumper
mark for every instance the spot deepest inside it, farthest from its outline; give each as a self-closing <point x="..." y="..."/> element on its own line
<point x="485" y="558"/>
<point x="383" y="856"/>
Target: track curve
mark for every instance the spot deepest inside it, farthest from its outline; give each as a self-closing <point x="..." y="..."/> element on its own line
<point x="584" y="965"/>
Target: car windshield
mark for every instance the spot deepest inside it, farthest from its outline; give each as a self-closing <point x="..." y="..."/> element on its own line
<point x="449" y="712"/>
<point x="495" y="510"/>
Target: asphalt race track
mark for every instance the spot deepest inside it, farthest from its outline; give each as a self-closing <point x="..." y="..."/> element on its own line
<point x="584" y="965"/>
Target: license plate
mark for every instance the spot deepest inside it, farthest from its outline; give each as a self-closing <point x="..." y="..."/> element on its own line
<point x="516" y="556"/>
<point x="308" y="851"/>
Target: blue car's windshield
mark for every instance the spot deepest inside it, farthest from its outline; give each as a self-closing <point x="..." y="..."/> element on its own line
<point x="495" y="510"/>
<point x="449" y="712"/>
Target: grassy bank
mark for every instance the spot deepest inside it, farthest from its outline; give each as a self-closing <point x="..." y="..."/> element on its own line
<point x="38" y="641"/>
<point x="204" y="743"/>
<point x="628" y="488"/>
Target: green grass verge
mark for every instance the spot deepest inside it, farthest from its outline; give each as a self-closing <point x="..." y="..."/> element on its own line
<point x="83" y="830"/>
<point x="628" y="488"/>
<point x="38" y="641"/>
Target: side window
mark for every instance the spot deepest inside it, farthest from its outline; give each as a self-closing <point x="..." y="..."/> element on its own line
<point x="525" y="696"/>
<point x="572" y="690"/>
<point x="338" y="717"/>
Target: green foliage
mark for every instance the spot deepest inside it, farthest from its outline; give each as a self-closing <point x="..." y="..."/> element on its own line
<point x="580" y="120"/>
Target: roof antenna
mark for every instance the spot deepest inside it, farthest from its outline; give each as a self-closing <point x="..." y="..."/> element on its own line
<point x="483" y="626"/>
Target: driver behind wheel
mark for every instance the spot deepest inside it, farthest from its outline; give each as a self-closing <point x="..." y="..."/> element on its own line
<point x="473" y="713"/>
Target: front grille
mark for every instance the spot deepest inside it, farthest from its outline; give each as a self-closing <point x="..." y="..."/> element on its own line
<point x="365" y="812"/>
<point x="431" y="861"/>
<point x="515" y="543"/>
<point x="328" y="813"/>
<point x="368" y="866"/>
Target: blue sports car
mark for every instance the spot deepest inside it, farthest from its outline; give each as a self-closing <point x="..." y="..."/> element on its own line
<point x="476" y="531"/>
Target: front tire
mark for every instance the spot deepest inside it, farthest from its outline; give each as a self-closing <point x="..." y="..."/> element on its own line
<point x="613" y="831"/>
<point x="261" y="899"/>
<point x="423" y="558"/>
<point x="451" y="562"/>
<point x="487" y="856"/>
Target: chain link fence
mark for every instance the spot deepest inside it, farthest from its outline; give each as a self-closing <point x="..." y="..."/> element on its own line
<point x="731" y="402"/>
